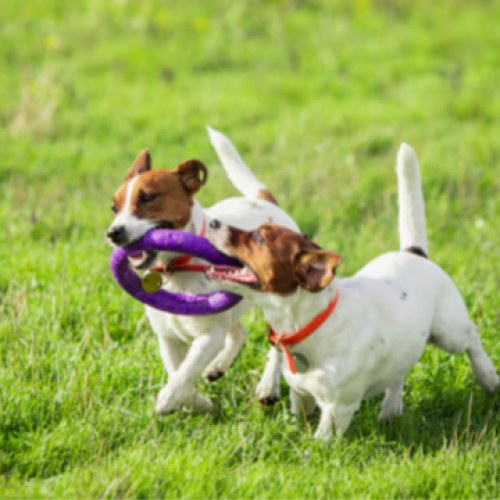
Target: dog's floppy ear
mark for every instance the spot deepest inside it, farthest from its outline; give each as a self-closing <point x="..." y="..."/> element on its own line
<point x="315" y="270"/>
<point x="193" y="175"/>
<point x="141" y="164"/>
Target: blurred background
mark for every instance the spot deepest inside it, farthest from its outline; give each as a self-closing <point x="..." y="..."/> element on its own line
<point x="317" y="96"/>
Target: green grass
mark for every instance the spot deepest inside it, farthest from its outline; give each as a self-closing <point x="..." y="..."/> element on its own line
<point x="317" y="95"/>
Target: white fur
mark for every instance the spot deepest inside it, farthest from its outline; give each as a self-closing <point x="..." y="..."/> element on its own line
<point x="237" y="171"/>
<point x="411" y="202"/>
<point x="385" y="316"/>
<point x="216" y="339"/>
<point x="135" y="227"/>
<point x="412" y="232"/>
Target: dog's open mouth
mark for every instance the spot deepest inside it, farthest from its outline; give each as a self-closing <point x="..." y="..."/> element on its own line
<point x="244" y="275"/>
<point x="142" y="260"/>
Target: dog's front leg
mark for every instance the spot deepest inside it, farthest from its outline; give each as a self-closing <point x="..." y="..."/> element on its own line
<point x="173" y="352"/>
<point x="302" y="405"/>
<point x="180" y="390"/>
<point x="268" y="389"/>
<point x="235" y="338"/>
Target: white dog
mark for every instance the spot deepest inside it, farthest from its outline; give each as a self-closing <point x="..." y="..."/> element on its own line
<point x="150" y="199"/>
<point x="349" y="339"/>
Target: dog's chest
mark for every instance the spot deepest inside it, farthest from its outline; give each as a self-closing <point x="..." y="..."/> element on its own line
<point x="187" y="328"/>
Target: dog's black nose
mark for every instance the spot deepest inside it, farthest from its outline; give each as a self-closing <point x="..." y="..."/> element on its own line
<point x="215" y="224"/>
<point x="117" y="234"/>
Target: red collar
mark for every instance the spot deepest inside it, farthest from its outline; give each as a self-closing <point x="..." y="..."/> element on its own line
<point x="182" y="263"/>
<point x="294" y="338"/>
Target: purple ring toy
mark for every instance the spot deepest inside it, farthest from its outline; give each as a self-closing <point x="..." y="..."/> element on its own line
<point x="175" y="303"/>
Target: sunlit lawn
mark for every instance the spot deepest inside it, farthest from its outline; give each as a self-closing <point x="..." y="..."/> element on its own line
<point x="317" y="96"/>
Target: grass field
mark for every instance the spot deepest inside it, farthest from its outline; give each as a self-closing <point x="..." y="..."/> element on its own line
<point x="317" y="96"/>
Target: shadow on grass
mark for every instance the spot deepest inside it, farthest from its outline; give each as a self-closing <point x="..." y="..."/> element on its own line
<point x="446" y="417"/>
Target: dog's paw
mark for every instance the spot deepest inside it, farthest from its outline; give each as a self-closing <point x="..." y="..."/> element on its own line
<point x="391" y="409"/>
<point x="489" y="381"/>
<point x="218" y="368"/>
<point x="323" y="434"/>
<point x="269" y="400"/>
<point x="173" y="397"/>
<point x="213" y="374"/>
<point x="483" y="368"/>
<point x="166" y="403"/>
<point x="267" y="393"/>
<point x="201" y="405"/>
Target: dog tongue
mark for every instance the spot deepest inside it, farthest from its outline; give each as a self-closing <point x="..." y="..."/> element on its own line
<point x="135" y="255"/>
<point x="137" y="258"/>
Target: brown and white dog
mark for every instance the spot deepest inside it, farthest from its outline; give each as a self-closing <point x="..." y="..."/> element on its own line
<point x="350" y="339"/>
<point x="150" y="199"/>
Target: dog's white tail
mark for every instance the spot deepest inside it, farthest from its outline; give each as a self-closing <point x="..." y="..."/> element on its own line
<point x="412" y="232"/>
<point x="236" y="169"/>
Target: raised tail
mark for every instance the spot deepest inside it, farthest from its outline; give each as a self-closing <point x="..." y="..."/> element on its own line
<point x="412" y="232"/>
<point x="236" y="169"/>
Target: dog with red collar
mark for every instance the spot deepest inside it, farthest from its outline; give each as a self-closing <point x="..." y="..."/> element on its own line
<point x="155" y="199"/>
<point x="349" y="339"/>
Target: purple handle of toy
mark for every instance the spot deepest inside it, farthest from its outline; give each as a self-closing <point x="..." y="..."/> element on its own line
<point x="175" y="303"/>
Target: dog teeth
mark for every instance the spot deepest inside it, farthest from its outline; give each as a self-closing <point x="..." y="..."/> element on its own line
<point x="224" y="273"/>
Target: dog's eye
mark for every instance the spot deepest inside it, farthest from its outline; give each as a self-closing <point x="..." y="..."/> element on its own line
<point x="114" y="209"/>
<point x="258" y="238"/>
<point x="146" y="197"/>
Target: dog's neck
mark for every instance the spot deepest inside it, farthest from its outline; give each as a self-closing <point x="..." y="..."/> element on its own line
<point x="289" y="314"/>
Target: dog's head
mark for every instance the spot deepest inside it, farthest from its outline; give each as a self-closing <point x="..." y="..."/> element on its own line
<point x="276" y="260"/>
<point x="153" y="199"/>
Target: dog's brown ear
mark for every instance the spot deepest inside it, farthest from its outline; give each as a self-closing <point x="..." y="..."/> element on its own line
<point x="193" y="175"/>
<point x="315" y="270"/>
<point x="141" y="164"/>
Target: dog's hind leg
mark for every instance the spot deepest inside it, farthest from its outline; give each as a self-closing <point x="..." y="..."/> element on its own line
<point x="392" y="405"/>
<point x="482" y="366"/>
<point x="453" y="332"/>
<point x="302" y="405"/>
<point x="235" y="338"/>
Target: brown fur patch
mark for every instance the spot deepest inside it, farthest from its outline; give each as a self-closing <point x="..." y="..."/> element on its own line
<point x="416" y="251"/>
<point x="140" y="165"/>
<point x="265" y="195"/>
<point x="193" y="175"/>
<point x="120" y="197"/>
<point x="282" y="259"/>
<point x="171" y="202"/>
<point x="315" y="270"/>
<point x="171" y="191"/>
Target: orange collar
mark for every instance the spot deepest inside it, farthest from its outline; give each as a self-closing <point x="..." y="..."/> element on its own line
<point x="294" y="338"/>
<point x="182" y="263"/>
